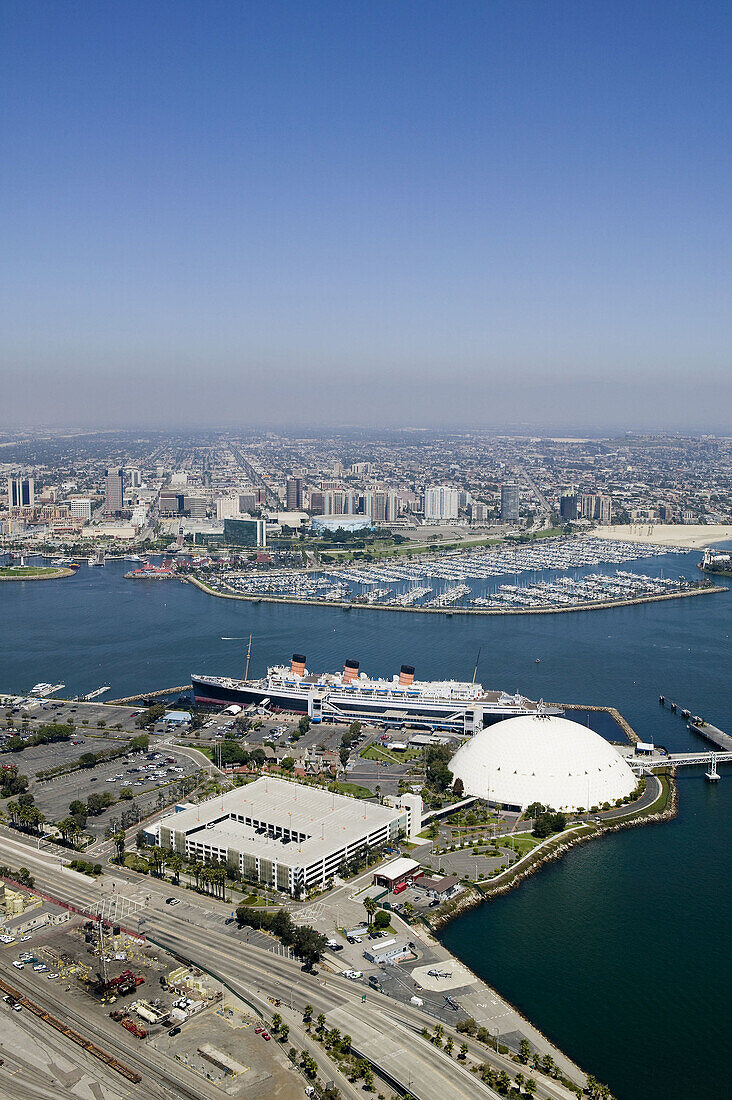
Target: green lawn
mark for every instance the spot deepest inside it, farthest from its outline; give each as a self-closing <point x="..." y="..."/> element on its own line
<point x="522" y="842"/>
<point x="354" y="789"/>
<point x="27" y="570"/>
<point x="376" y="752"/>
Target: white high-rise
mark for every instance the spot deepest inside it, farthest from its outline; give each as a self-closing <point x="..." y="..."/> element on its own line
<point x="440" y="503"/>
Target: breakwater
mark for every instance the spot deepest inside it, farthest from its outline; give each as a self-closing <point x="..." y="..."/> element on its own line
<point x="163" y="693"/>
<point x="614" y="714"/>
<point x="345" y="605"/>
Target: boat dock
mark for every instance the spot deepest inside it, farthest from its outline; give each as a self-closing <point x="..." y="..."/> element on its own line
<point x="709" y="732"/>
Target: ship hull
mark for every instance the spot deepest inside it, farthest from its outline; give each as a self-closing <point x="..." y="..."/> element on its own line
<point x="335" y="707"/>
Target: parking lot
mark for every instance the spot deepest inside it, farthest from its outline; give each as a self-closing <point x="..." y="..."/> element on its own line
<point x="153" y="778"/>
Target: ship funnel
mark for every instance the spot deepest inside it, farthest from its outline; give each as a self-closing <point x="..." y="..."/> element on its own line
<point x="297" y="664"/>
<point x="350" y="672"/>
<point x="406" y="675"/>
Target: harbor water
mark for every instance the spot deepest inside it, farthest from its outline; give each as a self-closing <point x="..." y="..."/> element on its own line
<point x="619" y="951"/>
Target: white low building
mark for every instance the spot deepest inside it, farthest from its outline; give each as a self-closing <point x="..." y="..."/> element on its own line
<point x="289" y="835"/>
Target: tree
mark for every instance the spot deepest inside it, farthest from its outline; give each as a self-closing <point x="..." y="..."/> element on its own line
<point x="343" y="755"/>
<point x="524" y="1051"/>
<point x="308" y="944"/>
<point x="458" y="787"/>
<point x="463" y="1052"/>
<point x="449" y="1046"/>
<point x="438" y="1034"/>
<point x="119" y="843"/>
<point x="126" y="794"/>
<point x="370" y="906"/>
<point x="530" y="1086"/>
<point x="320" y="1022"/>
<point x="381" y="920"/>
<point x="276" y="1022"/>
<point x="175" y="863"/>
<point x="304" y="724"/>
<point x="141" y="743"/>
<point x="307" y="1014"/>
<point x="284" y="1032"/>
<point x="287" y="764"/>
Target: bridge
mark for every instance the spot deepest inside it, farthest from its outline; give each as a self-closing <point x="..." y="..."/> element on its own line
<point x="680" y="760"/>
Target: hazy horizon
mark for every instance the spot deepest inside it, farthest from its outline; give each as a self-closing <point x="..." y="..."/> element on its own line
<point x="447" y="216"/>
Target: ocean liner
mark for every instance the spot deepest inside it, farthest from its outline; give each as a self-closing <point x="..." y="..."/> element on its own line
<point x="351" y="695"/>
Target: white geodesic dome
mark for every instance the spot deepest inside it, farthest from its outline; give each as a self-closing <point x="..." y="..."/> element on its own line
<point x="542" y="758"/>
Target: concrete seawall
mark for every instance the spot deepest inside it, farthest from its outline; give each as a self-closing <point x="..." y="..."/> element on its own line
<point x="599" y="606"/>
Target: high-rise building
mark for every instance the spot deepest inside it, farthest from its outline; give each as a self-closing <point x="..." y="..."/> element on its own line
<point x="478" y="512"/>
<point x="317" y="502"/>
<point x="510" y="502"/>
<point x="80" y="508"/>
<point x="248" y="502"/>
<point x="376" y="504"/>
<point x="113" y="492"/>
<point x="227" y="507"/>
<point x="568" y="506"/>
<point x="170" y="503"/>
<point x="392" y="505"/>
<point x="603" y="509"/>
<point x="134" y="477"/>
<point x="21" y="492"/>
<point x="195" y="506"/>
<point x="338" y="502"/>
<point x="440" y="503"/>
<point x="294" y="494"/>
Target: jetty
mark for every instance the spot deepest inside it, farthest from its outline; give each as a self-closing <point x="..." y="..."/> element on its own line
<point x="162" y="694"/>
<point x="698" y="725"/>
<point x="614" y="713"/>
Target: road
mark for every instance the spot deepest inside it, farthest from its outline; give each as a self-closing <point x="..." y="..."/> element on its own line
<point x="384" y="1030"/>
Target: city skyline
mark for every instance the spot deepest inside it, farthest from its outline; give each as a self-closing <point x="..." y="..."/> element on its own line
<point x="486" y="216"/>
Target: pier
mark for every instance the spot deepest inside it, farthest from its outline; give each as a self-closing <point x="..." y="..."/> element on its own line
<point x="698" y="725"/>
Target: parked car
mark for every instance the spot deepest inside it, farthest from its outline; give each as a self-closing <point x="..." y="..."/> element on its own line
<point x="174" y="1031"/>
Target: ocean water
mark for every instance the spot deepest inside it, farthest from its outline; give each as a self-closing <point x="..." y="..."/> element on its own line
<point x="620" y="951"/>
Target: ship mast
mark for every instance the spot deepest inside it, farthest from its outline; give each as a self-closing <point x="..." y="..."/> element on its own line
<point x="249" y="653"/>
<point x="475" y="670"/>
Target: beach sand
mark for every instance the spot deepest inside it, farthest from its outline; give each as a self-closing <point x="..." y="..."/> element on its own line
<point x="668" y="534"/>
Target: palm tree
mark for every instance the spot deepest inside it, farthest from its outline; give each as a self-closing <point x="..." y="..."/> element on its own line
<point x="175" y="863"/>
<point x="439" y="1032"/>
<point x="119" y="843"/>
<point x="370" y="906"/>
<point x="13" y="810"/>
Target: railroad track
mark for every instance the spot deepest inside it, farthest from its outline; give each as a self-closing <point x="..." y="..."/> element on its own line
<point x="167" y="1083"/>
<point x="75" y="1036"/>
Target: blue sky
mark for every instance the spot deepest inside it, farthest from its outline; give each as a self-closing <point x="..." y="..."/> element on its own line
<point x="367" y="213"/>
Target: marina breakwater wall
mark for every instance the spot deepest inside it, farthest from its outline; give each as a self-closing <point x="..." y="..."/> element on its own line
<point x="614" y="714"/>
<point x="348" y="606"/>
<point x="38" y="576"/>
<point x="161" y="694"/>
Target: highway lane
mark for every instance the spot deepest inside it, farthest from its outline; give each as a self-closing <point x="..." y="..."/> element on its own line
<point x="340" y="1000"/>
<point x="411" y="1063"/>
<point x="255" y="968"/>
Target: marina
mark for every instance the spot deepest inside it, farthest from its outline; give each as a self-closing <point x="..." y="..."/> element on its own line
<point x="551" y="576"/>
